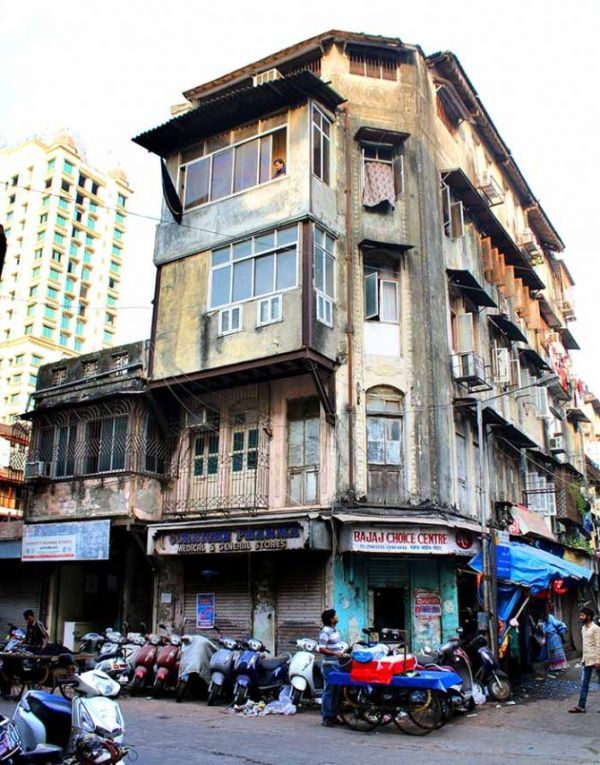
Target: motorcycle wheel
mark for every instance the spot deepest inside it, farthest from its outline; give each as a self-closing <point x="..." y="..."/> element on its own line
<point x="240" y="695"/>
<point x="135" y="686"/>
<point x="296" y="696"/>
<point x="499" y="687"/>
<point x="158" y="688"/>
<point x="181" y="691"/>
<point x="213" y="695"/>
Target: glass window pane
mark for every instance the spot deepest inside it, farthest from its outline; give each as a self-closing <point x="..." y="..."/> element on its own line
<point x="242" y="280"/>
<point x="212" y="465"/>
<point x="265" y="159"/>
<point x="264" y="242"/>
<point x="238" y="441"/>
<point x="286" y="269"/>
<point x="329" y="275"/>
<point x="242" y="249"/>
<point x="252" y="459"/>
<point x="311" y="445"/>
<point x="389" y="301"/>
<point x="296" y="443"/>
<point x="221" y="174"/>
<point x="370" y="287"/>
<point x="326" y="152"/>
<point x="196" y="183"/>
<point x="237" y="462"/>
<point x="213" y="444"/>
<point x="252" y="438"/>
<point x="264" y="275"/>
<point x="246" y="166"/>
<point x="219" y="294"/>
<point x="319" y="234"/>
<point x="318" y="268"/>
<point x="310" y="495"/>
<point x="316" y="167"/>
<point x="199" y="446"/>
<point x="220" y="256"/>
<point x="288" y="235"/>
<point x="198" y="466"/>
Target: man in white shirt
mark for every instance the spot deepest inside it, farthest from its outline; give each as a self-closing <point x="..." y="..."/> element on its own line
<point x="590" y="659"/>
<point x="331" y="646"/>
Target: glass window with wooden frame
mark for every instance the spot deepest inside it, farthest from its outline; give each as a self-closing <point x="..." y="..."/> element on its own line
<point x="244" y="442"/>
<point x="453" y="213"/>
<point x="324" y="275"/>
<point x="321" y="145"/>
<point x="304" y="436"/>
<point x="381" y="291"/>
<point x="256" y="267"/>
<point x="106" y="445"/>
<point x="373" y="65"/>
<point x="385" y="409"/>
<point x="205" y="455"/>
<point x="236" y="167"/>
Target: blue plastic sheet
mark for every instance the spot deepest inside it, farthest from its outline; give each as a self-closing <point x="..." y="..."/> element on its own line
<point x="434" y="681"/>
<point x="535" y="568"/>
<point x="508" y="597"/>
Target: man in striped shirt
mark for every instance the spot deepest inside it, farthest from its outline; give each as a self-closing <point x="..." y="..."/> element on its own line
<point x="332" y="647"/>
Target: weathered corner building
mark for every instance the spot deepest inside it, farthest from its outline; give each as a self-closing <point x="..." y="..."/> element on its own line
<point x="345" y="355"/>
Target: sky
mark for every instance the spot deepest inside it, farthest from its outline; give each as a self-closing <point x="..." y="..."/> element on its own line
<point x="107" y="71"/>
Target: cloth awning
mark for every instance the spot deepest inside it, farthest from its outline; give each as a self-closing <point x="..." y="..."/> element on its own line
<point x="568" y="340"/>
<point x="470" y="287"/>
<point x="504" y="429"/>
<point x="527" y="522"/>
<point x="534" y="359"/>
<point x="508" y="328"/>
<point x="535" y="568"/>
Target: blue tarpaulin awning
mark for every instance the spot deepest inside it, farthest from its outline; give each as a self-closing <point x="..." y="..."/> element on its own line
<point x="535" y="568"/>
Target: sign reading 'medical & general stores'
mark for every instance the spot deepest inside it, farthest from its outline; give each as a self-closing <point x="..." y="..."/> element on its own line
<point x="230" y="540"/>
<point x="435" y="540"/>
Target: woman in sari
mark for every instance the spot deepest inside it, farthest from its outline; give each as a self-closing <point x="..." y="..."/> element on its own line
<point x="553" y="631"/>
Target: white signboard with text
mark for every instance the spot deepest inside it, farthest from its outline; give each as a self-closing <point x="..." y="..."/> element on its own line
<point x="69" y="540"/>
<point x="418" y="540"/>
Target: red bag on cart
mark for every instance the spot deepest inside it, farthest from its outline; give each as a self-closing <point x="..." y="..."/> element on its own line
<point x="382" y="671"/>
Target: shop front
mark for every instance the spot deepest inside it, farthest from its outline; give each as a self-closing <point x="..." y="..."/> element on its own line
<point x="401" y="576"/>
<point x="251" y="577"/>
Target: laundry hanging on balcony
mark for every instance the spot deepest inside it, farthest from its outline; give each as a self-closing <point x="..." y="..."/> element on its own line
<point x="379" y="184"/>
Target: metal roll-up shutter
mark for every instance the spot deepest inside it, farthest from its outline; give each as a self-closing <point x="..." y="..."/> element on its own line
<point x="300" y="599"/>
<point x="388" y="571"/>
<point x="233" y="601"/>
<point x="21" y="589"/>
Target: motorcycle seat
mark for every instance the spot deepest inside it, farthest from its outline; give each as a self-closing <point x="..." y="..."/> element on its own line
<point x="48" y="702"/>
<point x="55" y="715"/>
<point x="276" y="661"/>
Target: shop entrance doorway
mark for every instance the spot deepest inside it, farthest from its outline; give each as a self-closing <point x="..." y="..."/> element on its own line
<point x="389" y="609"/>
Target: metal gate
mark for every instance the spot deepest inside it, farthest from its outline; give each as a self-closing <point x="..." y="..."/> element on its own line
<point x="300" y="598"/>
<point x="228" y="581"/>
<point x="20" y="589"/>
<point x="388" y="571"/>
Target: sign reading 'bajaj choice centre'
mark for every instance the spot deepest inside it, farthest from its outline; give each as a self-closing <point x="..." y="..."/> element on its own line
<point x="434" y="540"/>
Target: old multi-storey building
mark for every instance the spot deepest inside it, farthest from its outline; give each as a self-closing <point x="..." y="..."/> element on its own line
<point x="359" y="354"/>
<point x="65" y="227"/>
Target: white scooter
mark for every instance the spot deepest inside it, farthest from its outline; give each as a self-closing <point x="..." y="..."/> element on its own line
<point x="89" y="729"/>
<point x="305" y="671"/>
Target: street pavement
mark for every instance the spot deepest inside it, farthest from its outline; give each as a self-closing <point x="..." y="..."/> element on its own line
<point x="536" y="730"/>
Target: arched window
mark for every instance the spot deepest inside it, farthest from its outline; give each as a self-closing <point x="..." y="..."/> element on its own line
<point x="385" y="457"/>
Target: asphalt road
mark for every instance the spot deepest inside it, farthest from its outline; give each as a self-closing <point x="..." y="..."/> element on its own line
<point x="531" y="732"/>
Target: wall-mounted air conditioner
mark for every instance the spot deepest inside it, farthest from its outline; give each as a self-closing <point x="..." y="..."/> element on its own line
<point x="197" y="420"/>
<point x="557" y="444"/>
<point x="269" y="76"/>
<point x="36" y="470"/>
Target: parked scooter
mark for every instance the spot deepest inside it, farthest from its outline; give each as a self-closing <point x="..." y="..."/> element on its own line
<point x="120" y="664"/>
<point x="222" y="669"/>
<point x="194" y="665"/>
<point x="489" y="674"/>
<point x="89" y="729"/>
<point x="166" y="669"/>
<point x="305" y="673"/>
<point x="145" y="660"/>
<point x="256" y="676"/>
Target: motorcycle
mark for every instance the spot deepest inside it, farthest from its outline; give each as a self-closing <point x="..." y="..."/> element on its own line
<point x="166" y="669"/>
<point x="489" y="674"/>
<point x="256" y="676"/>
<point x="88" y="729"/>
<point x="121" y="665"/>
<point x="194" y="664"/>
<point x="452" y="657"/>
<point x="305" y="673"/>
<point x="221" y="669"/>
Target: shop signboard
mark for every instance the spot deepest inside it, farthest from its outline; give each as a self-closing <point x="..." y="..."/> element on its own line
<point x="427" y="612"/>
<point x="502" y="554"/>
<point x="233" y="539"/>
<point x="71" y="540"/>
<point x="205" y="610"/>
<point x="419" y="540"/>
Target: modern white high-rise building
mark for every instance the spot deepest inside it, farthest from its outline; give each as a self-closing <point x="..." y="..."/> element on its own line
<point x="65" y="227"/>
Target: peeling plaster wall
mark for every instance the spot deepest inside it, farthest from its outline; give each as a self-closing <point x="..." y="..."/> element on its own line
<point x="113" y="496"/>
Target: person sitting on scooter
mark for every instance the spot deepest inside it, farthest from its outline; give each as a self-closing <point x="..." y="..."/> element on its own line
<point x="331" y="646"/>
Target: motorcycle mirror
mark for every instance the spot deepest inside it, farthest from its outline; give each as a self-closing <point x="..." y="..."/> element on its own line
<point x="427" y="650"/>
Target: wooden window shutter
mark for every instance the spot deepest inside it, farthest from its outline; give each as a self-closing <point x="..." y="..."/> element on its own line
<point x="486" y="255"/>
<point x="508" y="282"/>
<point x="466" y="340"/>
<point x="497" y="267"/>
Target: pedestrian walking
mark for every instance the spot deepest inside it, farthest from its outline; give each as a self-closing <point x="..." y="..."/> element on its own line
<point x="331" y="646"/>
<point x="590" y="658"/>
